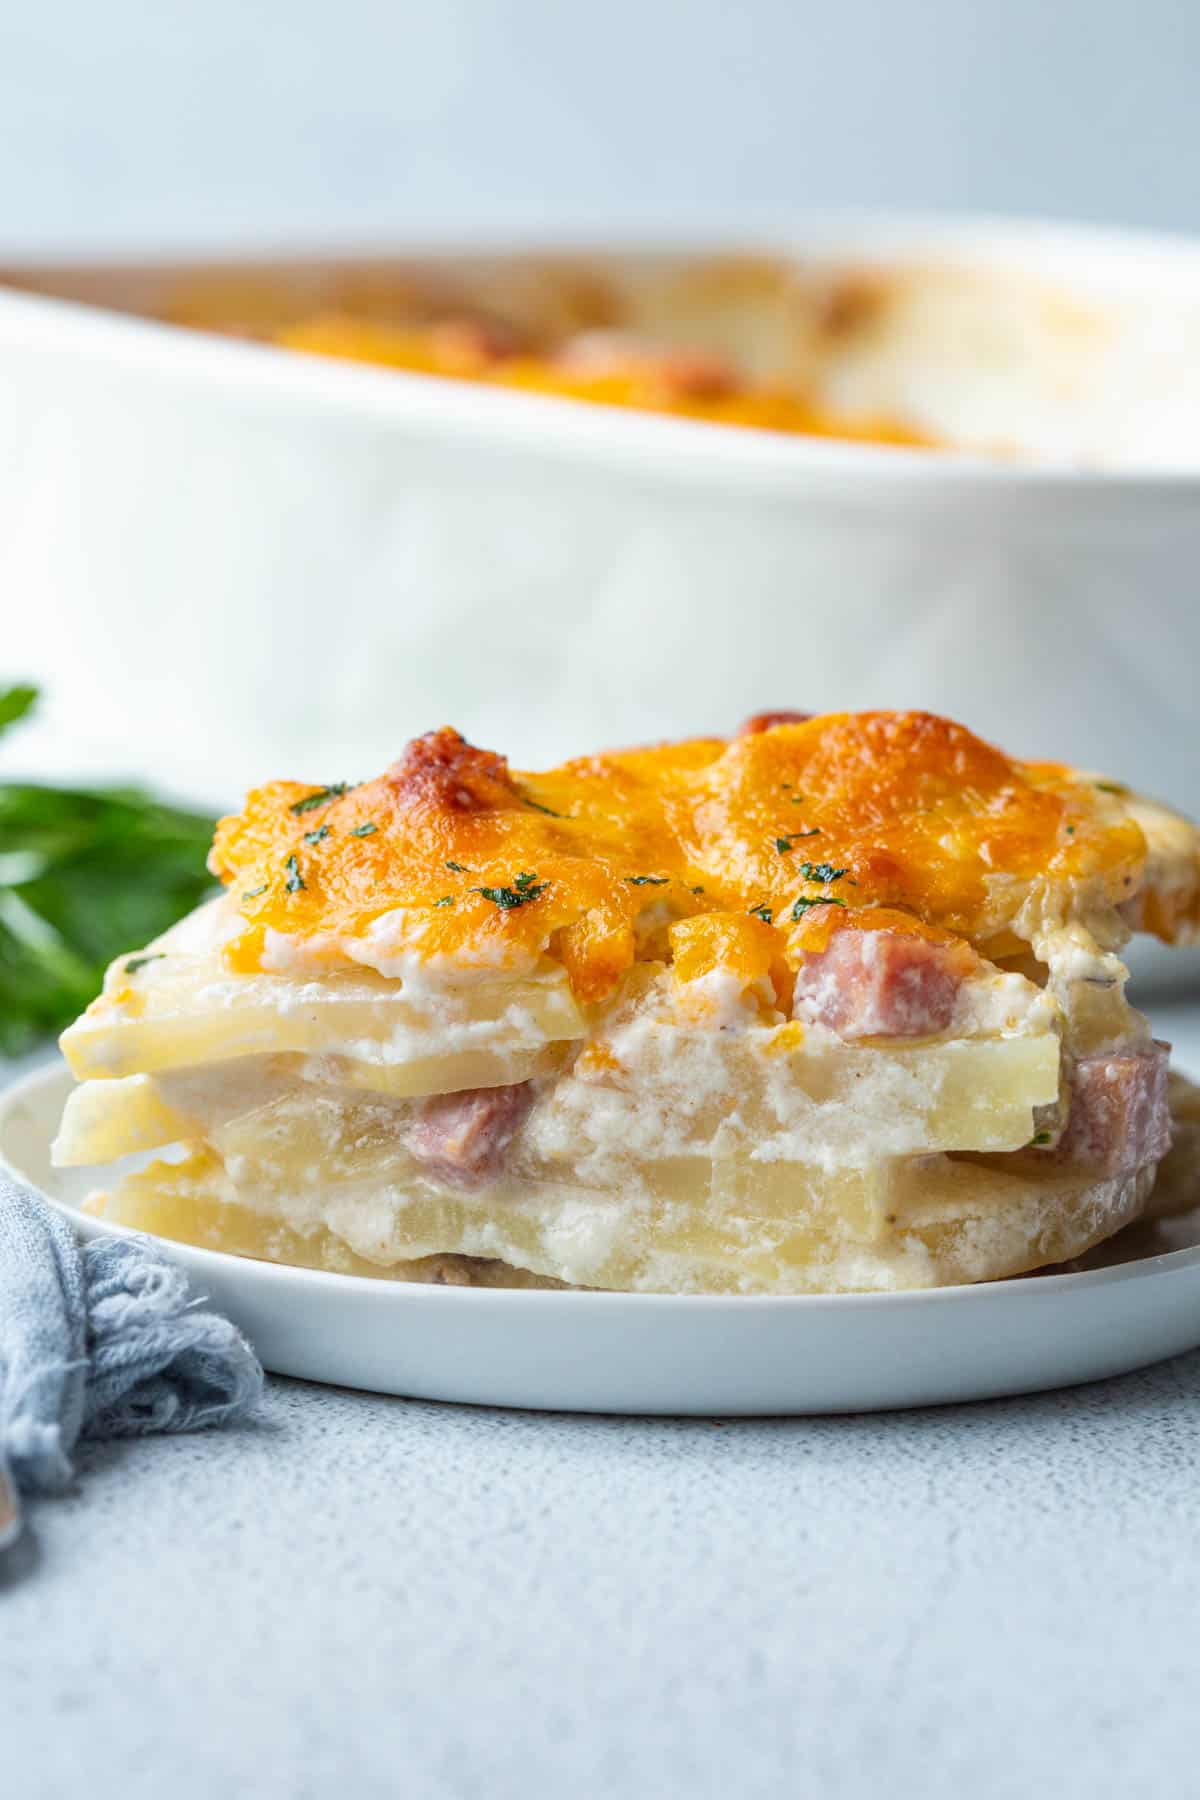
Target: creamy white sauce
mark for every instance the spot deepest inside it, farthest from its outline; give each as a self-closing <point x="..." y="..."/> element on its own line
<point x="723" y="1001"/>
<point x="392" y="946"/>
<point x="1001" y="1004"/>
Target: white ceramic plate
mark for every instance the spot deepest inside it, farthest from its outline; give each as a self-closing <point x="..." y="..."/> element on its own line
<point x="651" y="1353"/>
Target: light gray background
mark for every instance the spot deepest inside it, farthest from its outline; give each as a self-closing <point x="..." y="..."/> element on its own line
<point x="149" y="122"/>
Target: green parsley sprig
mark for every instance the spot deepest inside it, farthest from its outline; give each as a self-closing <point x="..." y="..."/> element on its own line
<point x="85" y="873"/>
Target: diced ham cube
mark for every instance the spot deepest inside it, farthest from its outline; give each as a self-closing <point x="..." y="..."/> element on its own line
<point x="879" y="984"/>
<point x="462" y="1139"/>
<point x="1119" y="1117"/>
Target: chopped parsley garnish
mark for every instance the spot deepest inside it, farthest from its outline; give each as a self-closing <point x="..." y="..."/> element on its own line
<point x="824" y="872"/>
<point x="1110" y="787"/>
<point x="525" y="887"/>
<point x="367" y="830"/>
<point x="762" y="912"/>
<point x="446" y="900"/>
<point x="139" y="962"/>
<point x="647" y="880"/>
<point x="253" y="893"/>
<point x="295" y="880"/>
<point x="458" y="868"/>
<point x="1070" y="831"/>
<point x="785" y="784"/>
<point x="1041" y="1137"/>
<point x="314" y="837"/>
<point x="803" y="904"/>
<point x="538" y="807"/>
<point x="697" y="890"/>
<point x="783" y="845"/>
<point x="334" y="791"/>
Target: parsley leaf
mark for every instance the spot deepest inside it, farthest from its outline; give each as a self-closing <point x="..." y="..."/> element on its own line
<point x="824" y="872"/>
<point x="446" y="900"/>
<point x="139" y="962"/>
<point x="334" y="791"/>
<point x="15" y="702"/>
<point x="526" y="887"/>
<point x="253" y="893"/>
<point x="458" y="868"/>
<point x="314" y="837"/>
<point x="367" y="830"/>
<point x="538" y="807"/>
<point x="295" y="880"/>
<point x="803" y="904"/>
<point x="647" y="880"/>
<point x="762" y="912"/>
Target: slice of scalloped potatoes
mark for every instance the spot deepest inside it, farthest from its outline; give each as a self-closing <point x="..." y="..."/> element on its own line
<point x="835" y="1004"/>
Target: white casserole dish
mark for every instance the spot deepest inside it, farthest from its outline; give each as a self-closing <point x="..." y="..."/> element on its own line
<point x="228" y="561"/>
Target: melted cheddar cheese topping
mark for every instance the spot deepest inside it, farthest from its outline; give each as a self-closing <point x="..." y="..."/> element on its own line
<point x="739" y="854"/>
<point x="684" y="385"/>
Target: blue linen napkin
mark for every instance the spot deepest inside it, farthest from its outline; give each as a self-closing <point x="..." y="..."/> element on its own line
<point x="100" y="1341"/>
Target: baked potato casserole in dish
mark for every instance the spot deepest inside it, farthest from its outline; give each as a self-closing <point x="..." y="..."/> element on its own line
<point x="835" y="1004"/>
<point x="918" y="341"/>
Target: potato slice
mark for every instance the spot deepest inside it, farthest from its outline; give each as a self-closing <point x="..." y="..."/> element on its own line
<point x="205" y="1016"/>
<point x="184" y="1210"/>
<point x="800" y="1097"/>
<point x="105" y="1120"/>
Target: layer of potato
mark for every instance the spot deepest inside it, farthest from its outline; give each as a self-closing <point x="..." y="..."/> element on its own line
<point x="667" y="1229"/>
<point x="778" y="1092"/>
<point x="167" y="1018"/>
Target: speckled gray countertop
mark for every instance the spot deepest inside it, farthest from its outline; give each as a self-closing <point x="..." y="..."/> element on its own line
<point x="360" y="1597"/>
<point x="363" y="1597"/>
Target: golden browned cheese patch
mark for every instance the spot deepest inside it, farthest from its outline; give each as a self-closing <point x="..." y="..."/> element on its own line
<point x="843" y="821"/>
